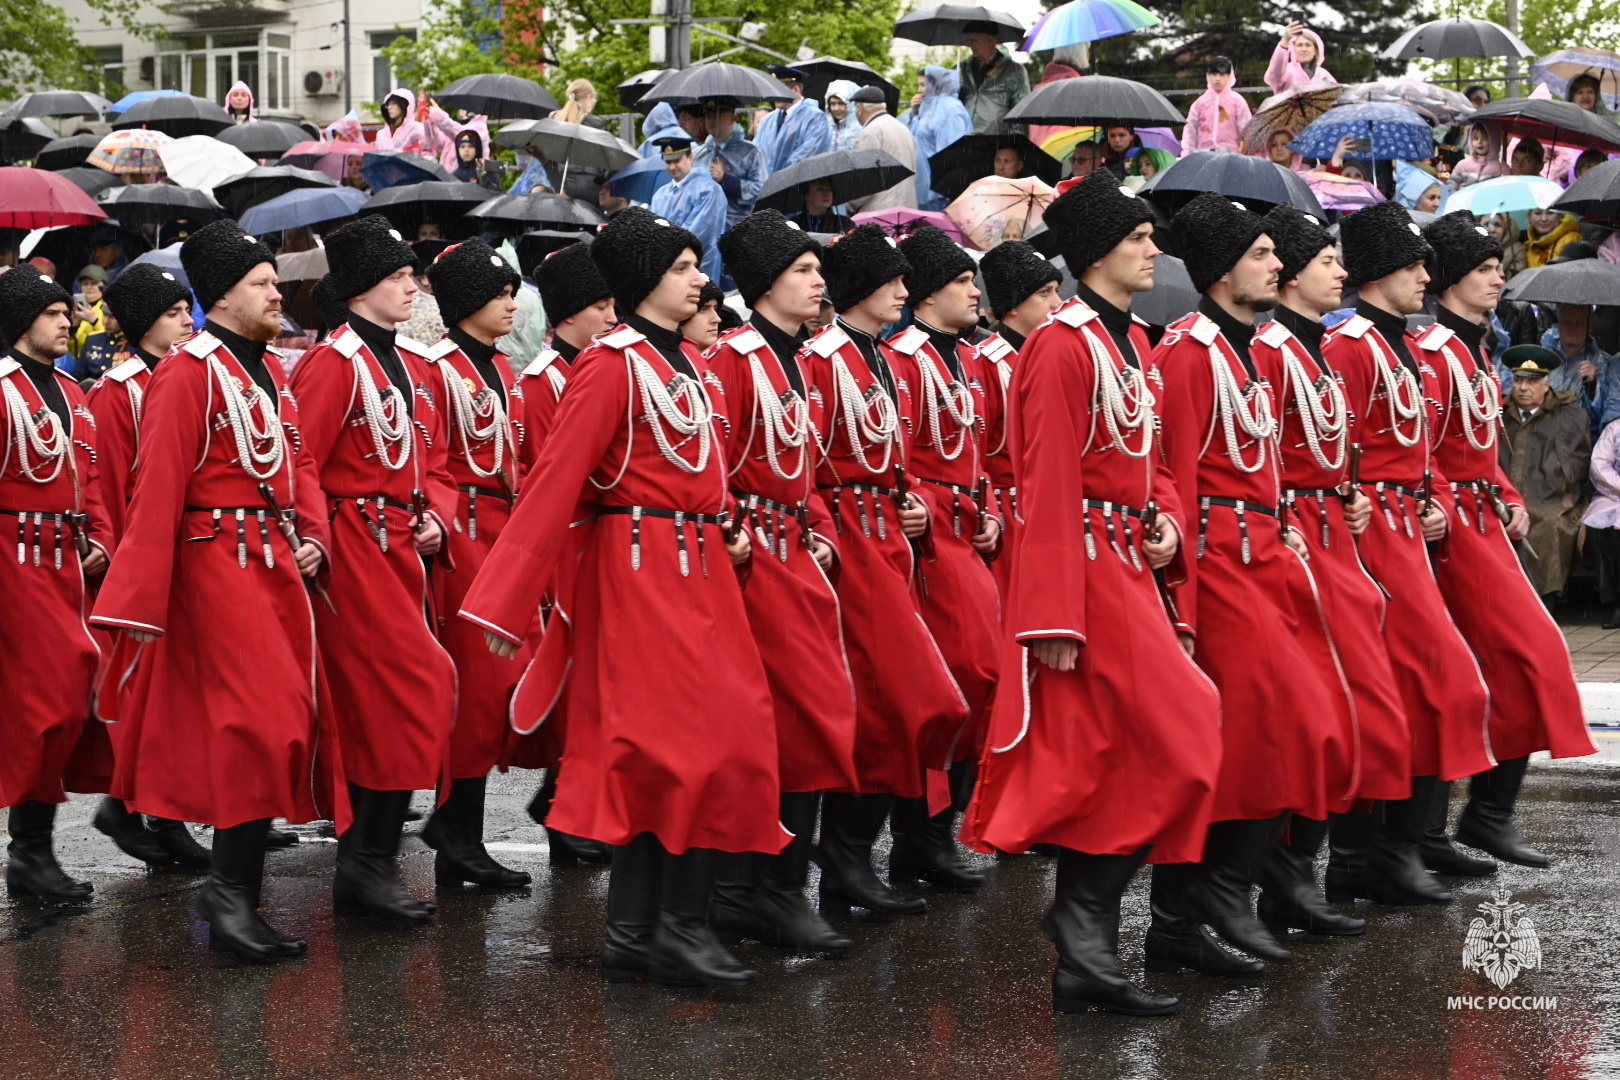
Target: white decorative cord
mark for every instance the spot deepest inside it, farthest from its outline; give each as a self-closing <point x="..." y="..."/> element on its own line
<point x="387" y="415"/>
<point x="1405" y="395"/>
<point x="663" y="403"/>
<point x="1123" y="398"/>
<point x="868" y="422"/>
<point x="951" y="397"/>
<point x="46" y="438"/>
<point x="1481" y="401"/>
<point x="1247" y="409"/>
<point x="479" y="418"/>
<point x="1324" y="421"/>
<point x="250" y="436"/>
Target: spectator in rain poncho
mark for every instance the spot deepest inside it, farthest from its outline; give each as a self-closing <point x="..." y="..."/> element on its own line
<point x="1145" y="163"/>
<point x="451" y="158"/>
<point x="239" y="103"/>
<point x="846" y="128"/>
<point x="735" y="163"/>
<point x="937" y="118"/>
<point x="533" y="177"/>
<point x="1218" y="116"/>
<point x="469" y="158"/>
<point x="692" y="200"/>
<point x="1417" y="189"/>
<point x="660" y="119"/>
<point x="1482" y="154"/>
<point x="402" y="131"/>
<point x="1297" y="59"/>
<point x="788" y="136"/>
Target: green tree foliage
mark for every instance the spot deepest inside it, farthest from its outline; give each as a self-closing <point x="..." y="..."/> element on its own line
<point x="456" y="39"/>
<point x="1545" y="26"/>
<point x="39" y="47"/>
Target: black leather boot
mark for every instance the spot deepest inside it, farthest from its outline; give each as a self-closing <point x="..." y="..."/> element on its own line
<point x="177" y="840"/>
<point x="1219" y="893"/>
<point x="731" y="904"/>
<point x="456" y="833"/>
<point x="684" y="950"/>
<point x="566" y="850"/>
<point x="762" y="896"/>
<point x="925" y="848"/>
<point x="32" y="868"/>
<point x="1176" y="940"/>
<point x="230" y="898"/>
<point x="129" y="832"/>
<point x="1436" y="848"/>
<point x="280" y="838"/>
<point x="367" y="879"/>
<point x="1487" y="820"/>
<point x="1288" y="894"/>
<point x="1350" y="838"/>
<point x="1613" y="621"/>
<point x="849" y="825"/>
<point x="1083" y="923"/>
<point x="635" y="885"/>
<point x="1395" y="871"/>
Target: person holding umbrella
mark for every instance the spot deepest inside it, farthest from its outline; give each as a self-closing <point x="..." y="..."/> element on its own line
<point x="1219" y="115"/>
<point x="694" y="201"/>
<point x="735" y="163"/>
<point x="991" y="81"/>
<point x="795" y="129"/>
<point x="937" y="118"/>
<point x="880" y="131"/>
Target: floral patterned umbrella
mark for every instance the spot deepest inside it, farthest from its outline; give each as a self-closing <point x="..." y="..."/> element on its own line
<point x="1290" y="112"/>
<point x="995" y="208"/>
<point x="131" y="150"/>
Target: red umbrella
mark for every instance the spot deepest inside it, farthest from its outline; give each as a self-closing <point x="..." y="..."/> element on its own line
<point x="37" y="199"/>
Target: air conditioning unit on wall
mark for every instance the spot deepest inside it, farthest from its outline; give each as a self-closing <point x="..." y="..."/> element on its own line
<point x="323" y="83"/>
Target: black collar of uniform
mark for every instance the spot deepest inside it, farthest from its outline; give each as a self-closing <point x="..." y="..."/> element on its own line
<point x="1238" y="333"/>
<point x="564" y="349"/>
<point x="666" y="341"/>
<point x="250" y="354"/>
<point x="1472" y="333"/>
<point x="1393" y="329"/>
<point x="42" y="373"/>
<point x="945" y="343"/>
<point x="482" y="357"/>
<point x="377" y="338"/>
<point x="868" y="346"/>
<point x="1307" y="330"/>
<point x="145" y="357"/>
<point x="1012" y="337"/>
<point x="1116" y="320"/>
<point x="784" y="345"/>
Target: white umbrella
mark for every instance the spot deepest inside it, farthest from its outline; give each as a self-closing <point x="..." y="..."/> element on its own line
<point x="203" y="162"/>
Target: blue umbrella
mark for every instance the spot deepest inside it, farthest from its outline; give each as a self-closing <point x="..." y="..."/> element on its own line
<point x="304" y="206"/>
<point x="1395" y="132"/>
<point x="135" y="97"/>
<point x="392" y="168"/>
<point x="638" y="180"/>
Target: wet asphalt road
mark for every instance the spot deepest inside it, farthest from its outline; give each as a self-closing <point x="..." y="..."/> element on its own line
<point x="504" y="984"/>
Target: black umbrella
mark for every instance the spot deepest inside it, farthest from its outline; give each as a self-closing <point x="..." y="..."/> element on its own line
<point x="1096" y="100"/>
<point x="539" y="208"/>
<point x="732" y="82"/>
<point x="823" y="70"/>
<point x="446" y="203"/>
<point x="1457" y="38"/>
<point x="59" y="103"/>
<point x="66" y="153"/>
<point x="534" y="245"/>
<point x="91" y="179"/>
<point x="1548" y="121"/>
<point x="158" y="204"/>
<point x="1597" y="194"/>
<point x="853" y="173"/>
<point x="499" y="97"/>
<point x="266" y="182"/>
<point x="578" y="145"/>
<point x="264" y="139"/>
<point x="974" y="156"/>
<point x="633" y="89"/>
<point x="22" y="137"/>
<point x="1580" y="281"/>
<point x="943" y="25"/>
<point x="177" y="115"/>
<point x="1253" y="181"/>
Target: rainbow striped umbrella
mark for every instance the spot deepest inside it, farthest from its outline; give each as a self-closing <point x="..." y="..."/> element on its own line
<point x="1086" y="20"/>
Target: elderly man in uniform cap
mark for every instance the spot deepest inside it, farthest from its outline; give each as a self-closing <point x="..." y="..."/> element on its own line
<point x="51" y="505"/>
<point x="1547" y="460"/>
<point x="1287" y="730"/>
<point x="1392" y="390"/>
<point x="694" y="202"/>
<point x="735" y="163"/>
<point x="880" y="131"/>
<point x="379" y="442"/>
<point x="220" y="708"/>
<point x="795" y="129"/>
<point x="1109" y="744"/>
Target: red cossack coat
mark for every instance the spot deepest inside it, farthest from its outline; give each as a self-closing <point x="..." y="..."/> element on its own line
<point x="996" y="358"/>
<point x="1446" y="700"/>
<point x="1287" y="724"/>
<point x="1125" y="749"/>
<point x="670" y="726"/>
<point x="393" y="683"/>
<point x="1315" y="435"/>
<point x="222" y="718"/>
<point x="1523" y="656"/>
<point x="48" y="659"/>
<point x="910" y="713"/>
<point x="772" y="443"/>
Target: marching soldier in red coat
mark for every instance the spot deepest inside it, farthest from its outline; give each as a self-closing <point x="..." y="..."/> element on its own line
<point x="153" y="311"/>
<point x="1021" y="289"/>
<point x="1287" y="721"/>
<point x="579" y="309"/>
<point x="773" y="436"/>
<point x="1523" y="656"/>
<point x="472" y="382"/>
<point x="1393" y="391"/>
<point x="51" y="506"/>
<point x="216" y="687"/>
<point x="376" y="434"/>
<point x="671" y="742"/>
<point x="954" y="586"/>
<point x="1315" y="437"/>
<point x="909" y="710"/>
<point x="1108" y="742"/>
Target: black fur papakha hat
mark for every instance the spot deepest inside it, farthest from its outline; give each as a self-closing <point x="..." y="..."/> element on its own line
<point x="1013" y="272"/>
<point x="569" y="282"/>
<point x="1380" y="240"/>
<point x="635" y="250"/>
<point x="1212" y="233"/>
<point x="936" y="261"/>
<point x="25" y="292"/>
<point x="467" y="276"/>
<point x="858" y="263"/>
<point x="334" y="312"/>
<point x="217" y="256"/>
<point x="364" y="252"/>
<point x="1092" y="217"/>
<point x="1299" y="238"/>
<point x="1460" y="245"/>
<point x="759" y="247"/>
<point x="142" y="293"/>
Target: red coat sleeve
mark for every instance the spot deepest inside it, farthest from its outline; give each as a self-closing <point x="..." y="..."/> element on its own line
<point x="322" y="382"/>
<point x="1187" y="404"/>
<point x="308" y="499"/>
<point x="443" y="495"/>
<point x="109" y="401"/>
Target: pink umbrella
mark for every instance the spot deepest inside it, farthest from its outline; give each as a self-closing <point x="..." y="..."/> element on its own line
<point x="330" y="156"/>
<point x="1336" y="192"/>
<point x="995" y="208"/>
<point x="1159" y="138"/>
<point x="902" y="221"/>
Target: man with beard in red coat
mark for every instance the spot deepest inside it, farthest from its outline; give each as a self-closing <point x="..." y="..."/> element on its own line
<point x="1523" y="656"/>
<point x="773" y="432"/>
<point x="1287" y="732"/>
<point x="1393" y="391"/>
<point x="50" y="504"/>
<point x="378" y="440"/>
<point x="1108" y="744"/>
<point x="220" y="698"/>
<point x="471" y="380"/>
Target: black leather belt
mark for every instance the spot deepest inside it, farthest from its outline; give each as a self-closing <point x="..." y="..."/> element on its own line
<point x="1110" y="510"/>
<point x="1243" y="508"/>
<point x="772" y="518"/>
<point x="39" y="519"/>
<point x="680" y="518"/>
<point x="860" y="505"/>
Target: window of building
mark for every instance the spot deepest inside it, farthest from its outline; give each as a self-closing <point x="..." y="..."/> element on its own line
<point x="207" y="65"/>
<point x="111" y="60"/>
<point x="382" y="72"/>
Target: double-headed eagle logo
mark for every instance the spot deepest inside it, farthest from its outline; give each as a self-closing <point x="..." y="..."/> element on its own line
<point x="1503" y="943"/>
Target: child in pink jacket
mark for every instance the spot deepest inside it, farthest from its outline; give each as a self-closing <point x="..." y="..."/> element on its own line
<point x="1219" y="115"/>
